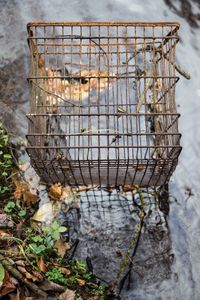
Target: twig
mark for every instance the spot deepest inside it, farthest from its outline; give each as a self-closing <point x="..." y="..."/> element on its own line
<point x="46" y="285"/>
<point x="7" y="238"/>
<point x="178" y="68"/>
<point x="133" y="245"/>
<point x="20" y="277"/>
<point x="52" y="94"/>
<point x="75" y="245"/>
<point x="26" y="258"/>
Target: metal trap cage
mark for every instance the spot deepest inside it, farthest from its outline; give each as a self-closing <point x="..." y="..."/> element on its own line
<point x="103" y="103"/>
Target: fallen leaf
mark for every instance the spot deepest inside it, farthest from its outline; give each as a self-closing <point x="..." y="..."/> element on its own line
<point x="4" y="233"/>
<point x="37" y="275"/>
<point x="44" y="213"/>
<point x="55" y="190"/>
<point x="15" y="296"/>
<point x="34" y="277"/>
<point x="21" y="186"/>
<point x="67" y="295"/>
<point x="83" y="188"/>
<point x="47" y="285"/>
<point x="66" y="193"/>
<point x="29" y="198"/>
<point x="20" y="263"/>
<point x="62" y="247"/>
<point x="139" y="167"/>
<point x="81" y="282"/>
<point x="65" y="271"/>
<point x="23" y="191"/>
<point x="8" y="286"/>
<point x="129" y="188"/>
<point x="41" y="264"/>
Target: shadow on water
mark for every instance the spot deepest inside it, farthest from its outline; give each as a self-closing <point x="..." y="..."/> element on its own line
<point x="106" y="224"/>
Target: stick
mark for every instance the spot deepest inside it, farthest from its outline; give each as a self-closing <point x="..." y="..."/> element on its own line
<point x="33" y="287"/>
<point x="52" y="94"/>
<point x="179" y="68"/>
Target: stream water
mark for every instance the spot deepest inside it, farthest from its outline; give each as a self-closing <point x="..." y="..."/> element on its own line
<point x="167" y="263"/>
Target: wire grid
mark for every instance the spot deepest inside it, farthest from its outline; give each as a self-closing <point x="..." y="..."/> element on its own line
<point x="103" y="103"/>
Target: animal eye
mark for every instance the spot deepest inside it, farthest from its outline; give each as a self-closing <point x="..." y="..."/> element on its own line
<point x="84" y="81"/>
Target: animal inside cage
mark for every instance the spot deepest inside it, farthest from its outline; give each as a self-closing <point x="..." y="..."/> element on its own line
<point x="103" y="103"/>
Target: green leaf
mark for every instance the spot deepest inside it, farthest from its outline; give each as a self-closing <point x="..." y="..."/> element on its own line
<point x="55" y="235"/>
<point x="36" y="249"/>
<point x="2" y="274"/>
<point x="55" y="225"/>
<point x="22" y="213"/>
<point x="5" y="139"/>
<point x="9" y="207"/>
<point x="4" y="174"/>
<point x="37" y="238"/>
<point x="62" y="229"/>
<point x="4" y="189"/>
<point x="7" y="156"/>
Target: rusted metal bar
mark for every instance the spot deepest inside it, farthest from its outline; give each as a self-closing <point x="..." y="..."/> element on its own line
<point x="103" y="102"/>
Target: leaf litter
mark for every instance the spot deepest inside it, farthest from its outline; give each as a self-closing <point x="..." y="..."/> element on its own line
<point x="35" y="250"/>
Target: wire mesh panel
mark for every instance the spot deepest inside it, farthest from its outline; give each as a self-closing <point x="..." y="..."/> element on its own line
<point x="103" y="102"/>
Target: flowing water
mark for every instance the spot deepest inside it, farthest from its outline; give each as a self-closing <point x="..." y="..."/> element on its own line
<point x="167" y="262"/>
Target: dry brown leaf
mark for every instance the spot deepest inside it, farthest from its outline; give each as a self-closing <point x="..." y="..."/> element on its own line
<point x="29" y="198"/>
<point x="21" y="186"/>
<point x="23" y="191"/>
<point x="8" y="286"/>
<point x="55" y="190"/>
<point x="47" y="285"/>
<point x="62" y="247"/>
<point x="15" y="296"/>
<point x="67" y="295"/>
<point x="37" y="275"/>
<point x="129" y="188"/>
<point x="83" y="188"/>
<point x="20" y="263"/>
<point x="4" y="233"/>
<point x="41" y="265"/>
<point x="139" y="167"/>
<point x="66" y="191"/>
<point x="65" y="271"/>
<point x="81" y="282"/>
<point x="34" y="277"/>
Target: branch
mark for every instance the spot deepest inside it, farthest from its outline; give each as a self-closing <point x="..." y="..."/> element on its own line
<point x="33" y="287"/>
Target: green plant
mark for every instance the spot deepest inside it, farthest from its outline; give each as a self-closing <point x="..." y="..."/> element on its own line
<point x="40" y="245"/>
<point x="79" y="267"/>
<point x="56" y="275"/>
<point x="43" y="244"/>
<point x="6" y="163"/>
<point x="54" y="230"/>
<point x="100" y="291"/>
<point x="9" y="207"/>
<point x="14" y="210"/>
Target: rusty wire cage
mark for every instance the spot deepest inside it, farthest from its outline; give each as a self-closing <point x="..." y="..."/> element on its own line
<point x="103" y="103"/>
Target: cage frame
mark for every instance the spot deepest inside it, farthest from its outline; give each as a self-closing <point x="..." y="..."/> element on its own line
<point x="139" y="170"/>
